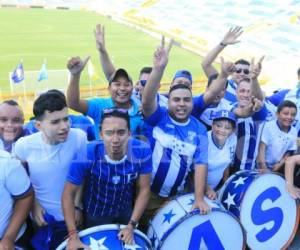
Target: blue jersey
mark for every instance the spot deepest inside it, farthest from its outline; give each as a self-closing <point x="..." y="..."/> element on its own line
<point x="109" y="184"/>
<point x="230" y="93"/>
<point x="248" y="135"/>
<point x="96" y="106"/>
<point x="176" y="148"/>
<point x="278" y="97"/>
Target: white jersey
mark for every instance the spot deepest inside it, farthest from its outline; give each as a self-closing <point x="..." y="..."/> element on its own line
<point x="219" y="158"/>
<point x="277" y="142"/>
<point x="14" y="182"/>
<point x="48" y="166"/>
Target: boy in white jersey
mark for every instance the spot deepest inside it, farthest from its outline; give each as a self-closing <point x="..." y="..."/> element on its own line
<point x="278" y="138"/>
<point x="221" y="143"/>
<point x="178" y="139"/>
<point x="48" y="155"/>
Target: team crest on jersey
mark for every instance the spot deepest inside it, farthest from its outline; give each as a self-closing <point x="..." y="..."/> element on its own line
<point x="191" y="135"/>
<point x="116" y="179"/>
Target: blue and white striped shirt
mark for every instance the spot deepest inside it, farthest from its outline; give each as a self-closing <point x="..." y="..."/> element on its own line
<point x="176" y="147"/>
<point x="109" y="184"/>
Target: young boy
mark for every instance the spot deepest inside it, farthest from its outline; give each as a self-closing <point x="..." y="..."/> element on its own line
<point x="279" y="138"/>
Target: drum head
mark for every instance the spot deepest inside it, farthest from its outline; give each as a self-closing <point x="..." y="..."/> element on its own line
<point x="268" y="213"/>
<point x="106" y="237"/>
<point x="216" y="230"/>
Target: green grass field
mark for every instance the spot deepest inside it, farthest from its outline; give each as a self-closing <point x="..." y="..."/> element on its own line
<point x="35" y="34"/>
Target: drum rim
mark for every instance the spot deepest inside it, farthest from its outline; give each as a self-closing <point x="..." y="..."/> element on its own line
<point x="294" y="231"/>
<point x="104" y="227"/>
<point x="195" y="212"/>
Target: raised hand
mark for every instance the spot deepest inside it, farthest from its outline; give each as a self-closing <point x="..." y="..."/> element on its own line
<point x="227" y="68"/>
<point x="161" y="55"/>
<point x="232" y="35"/>
<point x="75" y="65"/>
<point x="99" y="33"/>
<point x="255" y="68"/>
<point x="126" y="235"/>
<point x="256" y="104"/>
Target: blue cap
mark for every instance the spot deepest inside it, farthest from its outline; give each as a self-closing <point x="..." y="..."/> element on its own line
<point x="224" y="114"/>
<point x="183" y="73"/>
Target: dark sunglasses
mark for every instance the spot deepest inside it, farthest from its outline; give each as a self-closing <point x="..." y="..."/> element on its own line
<point x="246" y="71"/>
<point x="115" y="111"/>
<point x="143" y="82"/>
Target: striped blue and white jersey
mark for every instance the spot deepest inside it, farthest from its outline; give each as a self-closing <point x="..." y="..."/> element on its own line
<point x="109" y="184"/>
<point x="248" y="136"/>
<point x="230" y="93"/>
<point x="176" y="147"/>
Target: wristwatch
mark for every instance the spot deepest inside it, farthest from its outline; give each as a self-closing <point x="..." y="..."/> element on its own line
<point x="133" y="223"/>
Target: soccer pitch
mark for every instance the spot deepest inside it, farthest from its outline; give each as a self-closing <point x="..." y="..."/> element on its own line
<point x="55" y="35"/>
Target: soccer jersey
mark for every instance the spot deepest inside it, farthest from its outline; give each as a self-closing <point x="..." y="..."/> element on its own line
<point x="248" y="134"/>
<point x="277" y="142"/>
<point x="109" y="184"/>
<point x="161" y="99"/>
<point x="14" y="183"/>
<point x="176" y="148"/>
<point x="230" y="93"/>
<point x="48" y="166"/>
<point x="96" y="106"/>
<point x="219" y="158"/>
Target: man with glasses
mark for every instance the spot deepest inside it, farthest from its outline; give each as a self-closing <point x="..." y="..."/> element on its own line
<point x="110" y="171"/>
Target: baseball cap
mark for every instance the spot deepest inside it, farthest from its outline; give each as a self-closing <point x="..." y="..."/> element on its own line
<point x="120" y="73"/>
<point x="183" y="73"/>
<point x="225" y="114"/>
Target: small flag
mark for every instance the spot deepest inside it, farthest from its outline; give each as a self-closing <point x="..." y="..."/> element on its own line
<point x="18" y="74"/>
<point x="43" y="75"/>
<point x="92" y="72"/>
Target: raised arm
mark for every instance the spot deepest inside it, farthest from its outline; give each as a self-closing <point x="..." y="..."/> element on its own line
<point x="261" y="159"/>
<point x="107" y="65"/>
<point x="160" y="61"/>
<point x="231" y="37"/>
<point x="218" y="84"/>
<point x="255" y="70"/>
<point x="76" y="66"/>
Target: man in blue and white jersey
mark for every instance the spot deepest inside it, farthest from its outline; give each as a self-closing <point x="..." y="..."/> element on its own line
<point x="249" y="129"/>
<point x="178" y="141"/>
<point x="110" y="170"/>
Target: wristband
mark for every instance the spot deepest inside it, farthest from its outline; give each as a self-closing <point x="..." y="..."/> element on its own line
<point x="223" y="44"/>
<point x="133" y="223"/>
<point x="78" y="208"/>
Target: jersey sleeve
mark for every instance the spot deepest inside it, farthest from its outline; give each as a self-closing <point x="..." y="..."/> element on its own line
<point x="157" y="116"/>
<point x="20" y="149"/>
<point x="201" y="153"/>
<point x="17" y="181"/>
<point x="261" y="115"/>
<point x="199" y="106"/>
<point x="80" y="165"/>
<point x="146" y="159"/>
<point x="278" y="97"/>
<point x="265" y="135"/>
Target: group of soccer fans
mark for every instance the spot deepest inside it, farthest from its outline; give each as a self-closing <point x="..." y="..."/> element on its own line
<point x="129" y="154"/>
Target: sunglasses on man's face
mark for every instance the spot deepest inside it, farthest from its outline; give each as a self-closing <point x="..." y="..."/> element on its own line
<point x="115" y="110"/>
<point x="246" y="71"/>
<point x="143" y="82"/>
